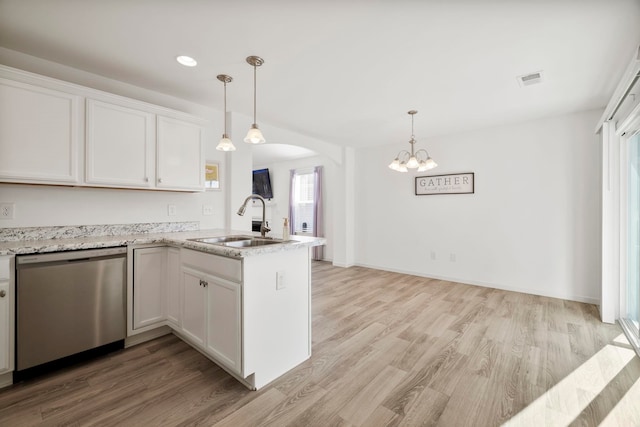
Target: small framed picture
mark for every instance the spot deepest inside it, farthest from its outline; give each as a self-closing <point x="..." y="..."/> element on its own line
<point x="211" y="176"/>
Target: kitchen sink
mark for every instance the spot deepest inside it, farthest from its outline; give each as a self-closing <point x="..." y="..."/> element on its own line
<point x="252" y="243"/>
<point x="222" y="239"/>
<point x="239" y="241"/>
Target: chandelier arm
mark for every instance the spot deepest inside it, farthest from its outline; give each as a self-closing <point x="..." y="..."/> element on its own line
<point x="404" y="153"/>
<point x="421" y="151"/>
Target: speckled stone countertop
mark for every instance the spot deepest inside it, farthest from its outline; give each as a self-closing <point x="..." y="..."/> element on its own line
<point x="172" y="238"/>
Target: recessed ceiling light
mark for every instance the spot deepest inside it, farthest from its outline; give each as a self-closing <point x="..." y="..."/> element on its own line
<point x="187" y="61"/>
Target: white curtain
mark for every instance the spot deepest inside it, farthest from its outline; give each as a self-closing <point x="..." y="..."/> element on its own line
<point x="318" y="215"/>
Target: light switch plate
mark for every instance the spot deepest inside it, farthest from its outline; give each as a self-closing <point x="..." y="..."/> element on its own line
<point x="207" y="210"/>
<point x="280" y="280"/>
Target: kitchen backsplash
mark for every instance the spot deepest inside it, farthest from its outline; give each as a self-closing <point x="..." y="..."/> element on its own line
<point x="74" y="232"/>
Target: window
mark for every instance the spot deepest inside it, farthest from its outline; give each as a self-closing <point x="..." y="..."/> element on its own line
<point x="303" y="202"/>
<point x="306" y="205"/>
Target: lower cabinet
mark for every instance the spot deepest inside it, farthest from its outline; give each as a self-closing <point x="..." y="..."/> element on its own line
<point x="193" y="300"/>
<point x="211" y="316"/>
<point x="173" y="288"/>
<point x="223" y="322"/>
<point x="6" y="317"/>
<point x="149" y="286"/>
<point x="251" y="316"/>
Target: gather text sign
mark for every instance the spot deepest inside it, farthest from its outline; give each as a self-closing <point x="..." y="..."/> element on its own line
<point x="459" y="183"/>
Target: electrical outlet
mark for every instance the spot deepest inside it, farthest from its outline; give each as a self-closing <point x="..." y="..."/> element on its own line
<point x="452" y="257"/>
<point x="280" y="280"/>
<point x="172" y="210"/>
<point x="207" y="210"/>
<point x="433" y="255"/>
<point x="7" y="210"/>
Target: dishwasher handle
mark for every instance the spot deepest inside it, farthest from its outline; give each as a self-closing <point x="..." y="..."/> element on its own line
<point x="70" y="256"/>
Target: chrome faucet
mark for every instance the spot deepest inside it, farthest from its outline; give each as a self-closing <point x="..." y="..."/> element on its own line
<point x="263" y="226"/>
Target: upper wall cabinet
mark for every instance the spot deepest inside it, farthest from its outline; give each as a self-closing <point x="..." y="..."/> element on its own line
<point x="39" y="134"/>
<point x="180" y="155"/>
<point x="119" y="146"/>
<point x="52" y="131"/>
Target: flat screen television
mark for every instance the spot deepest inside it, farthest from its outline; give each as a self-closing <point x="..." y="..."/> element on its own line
<point x="262" y="183"/>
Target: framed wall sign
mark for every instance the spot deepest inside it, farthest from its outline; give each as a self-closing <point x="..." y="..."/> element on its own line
<point x="211" y="176"/>
<point x="458" y="183"/>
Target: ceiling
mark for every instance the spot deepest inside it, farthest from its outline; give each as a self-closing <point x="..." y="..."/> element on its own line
<point x="346" y="72"/>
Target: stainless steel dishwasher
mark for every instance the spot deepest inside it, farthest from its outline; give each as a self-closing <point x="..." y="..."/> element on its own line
<point x="68" y="303"/>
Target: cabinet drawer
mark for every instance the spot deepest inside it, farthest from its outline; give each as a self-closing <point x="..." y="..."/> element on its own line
<point x="226" y="268"/>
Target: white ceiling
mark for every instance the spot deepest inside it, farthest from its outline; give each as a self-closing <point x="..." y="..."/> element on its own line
<point x="265" y="154"/>
<point x="347" y="71"/>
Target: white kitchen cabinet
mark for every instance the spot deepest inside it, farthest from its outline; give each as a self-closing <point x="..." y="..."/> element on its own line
<point x="193" y="306"/>
<point x="149" y="281"/>
<point x="120" y="146"/>
<point x="58" y="133"/>
<point x="211" y="316"/>
<point x="39" y="134"/>
<point x="212" y="306"/>
<point x="174" y="294"/>
<point x="180" y="155"/>
<point x="251" y="316"/>
<point x="223" y="321"/>
<point x="7" y="305"/>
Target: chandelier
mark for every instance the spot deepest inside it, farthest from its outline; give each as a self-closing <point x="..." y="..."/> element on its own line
<point x="415" y="159"/>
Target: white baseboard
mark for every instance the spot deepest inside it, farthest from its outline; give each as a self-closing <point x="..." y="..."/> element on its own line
<point x="132" y="340"/>
<point x="577" y="298"/>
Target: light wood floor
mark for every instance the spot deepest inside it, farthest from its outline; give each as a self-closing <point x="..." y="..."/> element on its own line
<point x="388" y="349"/>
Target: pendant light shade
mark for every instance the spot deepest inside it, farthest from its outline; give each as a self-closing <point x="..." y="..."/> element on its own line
<point x="406" y="160"/>
<point x="225" y="143"/>
<point x="254" y="136"/>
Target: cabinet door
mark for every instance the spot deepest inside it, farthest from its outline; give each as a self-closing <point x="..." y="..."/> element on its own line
<point x="193" y="306"/>
<point x="148" y="286"/>
<point x="119" y="145"/>
<point x="6" y="328"/>
<point x="174" y="296"/>
<point x="180" y="156"/>
<point x="39" y="133"/>
<point x="223" y="322"/>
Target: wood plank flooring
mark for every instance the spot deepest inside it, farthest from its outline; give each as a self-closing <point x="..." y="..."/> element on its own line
<point x="388" y="350"/>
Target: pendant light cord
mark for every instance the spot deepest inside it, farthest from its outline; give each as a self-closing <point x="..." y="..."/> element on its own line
<point x="254" y="94"/>
<point x="225" y="107"/>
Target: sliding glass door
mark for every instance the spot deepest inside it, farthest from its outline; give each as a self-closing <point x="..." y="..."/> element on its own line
<point x="631" y="292"/>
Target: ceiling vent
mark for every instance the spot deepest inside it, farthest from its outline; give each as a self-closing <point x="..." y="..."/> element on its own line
<point x="530" y="79"/>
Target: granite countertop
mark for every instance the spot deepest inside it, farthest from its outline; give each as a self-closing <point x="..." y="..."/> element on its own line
<point x="31" y="245"/>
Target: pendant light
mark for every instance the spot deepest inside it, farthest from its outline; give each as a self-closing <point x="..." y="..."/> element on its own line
<point x="254" y="136"/>
<point x="225" y="143"/>
<point x="411" y="160"/>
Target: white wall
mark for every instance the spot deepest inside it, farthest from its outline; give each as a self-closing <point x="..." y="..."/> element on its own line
<point x="47" y="205"/>
<point x="278" y="208"/>
<point x="533" y="224"/>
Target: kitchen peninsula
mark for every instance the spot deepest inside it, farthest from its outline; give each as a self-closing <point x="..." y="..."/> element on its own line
<point x="247" y="308"/>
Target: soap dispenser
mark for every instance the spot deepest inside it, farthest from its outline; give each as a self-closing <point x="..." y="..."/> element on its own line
<point x="285" y="229"/>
